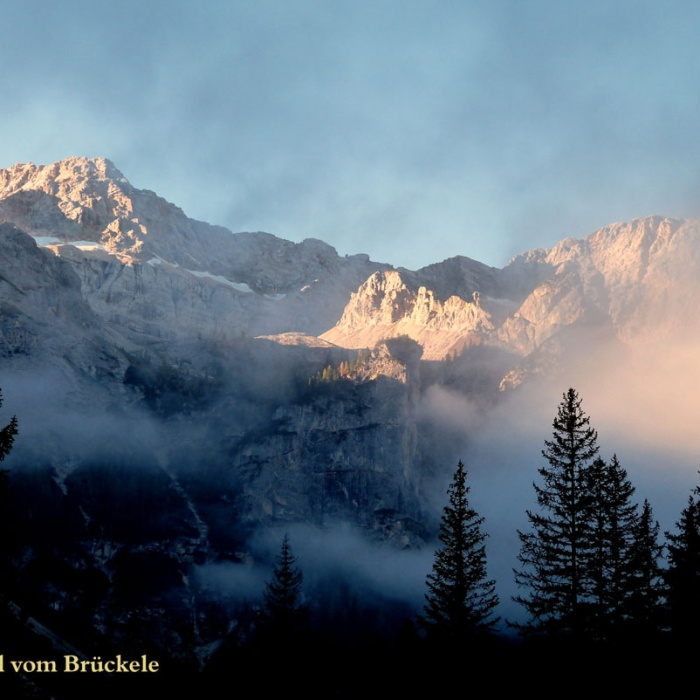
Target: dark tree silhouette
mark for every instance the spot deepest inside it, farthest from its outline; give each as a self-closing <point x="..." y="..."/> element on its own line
<point x="283" y="610"/>
<point x="615" y="522"/>
<point x="556" y="553"/>
<point x="644" y="605"/>
<point x="683" y="574"/>
<point x="7" y="435"/>
<point x="460" y="599"/>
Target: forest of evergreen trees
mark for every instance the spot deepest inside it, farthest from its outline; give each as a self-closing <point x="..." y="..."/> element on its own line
<point x="594" y="575"/>
<point x="595" y="578"/>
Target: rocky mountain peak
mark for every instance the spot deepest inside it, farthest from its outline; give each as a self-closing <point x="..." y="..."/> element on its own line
<point x="86" y="199"/>
<point x="394" y="303"/>
<point x="145" y="264"/>
<point x="49" y="178"/>
<point x="566" y="250"/>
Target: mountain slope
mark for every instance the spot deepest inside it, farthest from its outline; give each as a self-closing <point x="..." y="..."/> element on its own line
<point x="635" y="283"/>
<point x="155" y="273"/>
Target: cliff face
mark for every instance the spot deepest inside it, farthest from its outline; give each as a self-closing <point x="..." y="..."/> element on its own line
<point x="343" y="450"/>
<point x="386" y="306"/>
<point x="136" y="505"/>
<point x="45" y="321"/>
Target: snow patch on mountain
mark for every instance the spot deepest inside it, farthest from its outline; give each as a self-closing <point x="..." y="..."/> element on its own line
<point x="238" y="286"/>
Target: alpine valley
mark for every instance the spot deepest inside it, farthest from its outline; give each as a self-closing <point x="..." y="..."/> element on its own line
<point x="185" y="394"/>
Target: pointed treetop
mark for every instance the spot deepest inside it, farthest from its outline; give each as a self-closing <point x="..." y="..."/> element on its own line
<point x="283" y="596"/>
<point x="460" y="599"/>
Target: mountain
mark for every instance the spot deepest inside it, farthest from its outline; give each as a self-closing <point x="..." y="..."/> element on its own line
<point x="635" y="282"/>
<point x="155" y="274"/>
<point x="182" y="391"/>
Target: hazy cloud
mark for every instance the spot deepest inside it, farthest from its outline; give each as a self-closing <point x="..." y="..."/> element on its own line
<point x="412" y="132"/>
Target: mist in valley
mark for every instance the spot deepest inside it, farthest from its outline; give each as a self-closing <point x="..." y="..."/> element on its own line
<point x="640" y="407"/>
<point x="643" y="412"/>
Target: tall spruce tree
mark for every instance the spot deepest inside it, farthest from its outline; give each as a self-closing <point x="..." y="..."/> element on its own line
<point x="461" y="598"/>
<point x="615" y="521"/>
<point x="683" y="573"/>
<point x="283" y="610"/>
<point x="644" y="607"/>
<point x="556" y="553"/>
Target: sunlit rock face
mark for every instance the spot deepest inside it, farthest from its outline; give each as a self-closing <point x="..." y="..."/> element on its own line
<point x="155" y="273"/>
<point x="650" y="267"/>
<point x="386" y="306"/>
<point x="626" y="286"/>
<point x="629" y="288"/>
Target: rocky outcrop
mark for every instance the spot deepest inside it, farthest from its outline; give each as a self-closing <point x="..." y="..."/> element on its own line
<point x="650" y="271"/>
<point x="343" y="451"/>
<point x="391" y="304"/>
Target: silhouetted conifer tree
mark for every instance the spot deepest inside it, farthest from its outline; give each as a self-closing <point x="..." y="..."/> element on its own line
<point x="556" y="554"/>
<point x="283" y="610"/>
<point x="615" y="521"/>
<point x="7" y="435"/>
<point x="644" y="605"/>
<point x="683" y="574"/>
<point x="461" y="599"/>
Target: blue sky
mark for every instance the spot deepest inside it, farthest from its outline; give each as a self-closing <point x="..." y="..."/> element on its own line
<point x="411" y="131"/>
